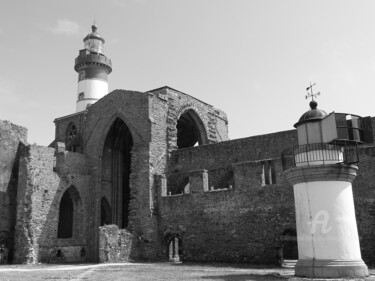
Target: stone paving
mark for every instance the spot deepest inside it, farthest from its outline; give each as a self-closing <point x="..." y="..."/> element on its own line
<point x="147" y="271"/>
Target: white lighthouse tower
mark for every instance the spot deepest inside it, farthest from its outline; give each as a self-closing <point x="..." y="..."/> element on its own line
<point x="321" y="169"/>
<point x="93" y="68"/>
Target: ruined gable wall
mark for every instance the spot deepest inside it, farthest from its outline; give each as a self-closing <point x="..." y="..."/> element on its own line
<point x="62" y="124"/>
<point x="133" y="108"/>
<point x="214" y="120"/>
<point x="11" y="136"/>
<point x="39" y="195"/>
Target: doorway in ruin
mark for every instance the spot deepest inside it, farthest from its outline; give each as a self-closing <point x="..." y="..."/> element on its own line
<point x="289" y="245"/>
<point x="174" y="248"/>
<point x="116" y="169"/>
<point x="190" y="130"/>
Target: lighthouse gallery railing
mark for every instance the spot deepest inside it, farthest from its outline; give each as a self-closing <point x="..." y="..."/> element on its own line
<point x="319" y="154"/>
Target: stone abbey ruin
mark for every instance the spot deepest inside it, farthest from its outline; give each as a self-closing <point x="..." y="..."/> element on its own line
<point x="153" y="176"/>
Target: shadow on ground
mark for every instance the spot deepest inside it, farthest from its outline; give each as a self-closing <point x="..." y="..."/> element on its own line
<point x="244" y="277"/>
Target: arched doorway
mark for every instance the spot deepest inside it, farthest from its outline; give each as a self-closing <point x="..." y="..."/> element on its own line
<point x="289" y="245"/>
<point x="69" y="214"/>
<point x="190" y="130"/>
<point x="116" y="169"/>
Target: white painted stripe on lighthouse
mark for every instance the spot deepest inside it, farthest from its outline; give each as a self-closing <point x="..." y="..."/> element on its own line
<point x="93" y="89"/>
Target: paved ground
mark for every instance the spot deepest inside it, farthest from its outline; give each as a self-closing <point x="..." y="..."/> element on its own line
<point x="144" y="272"/>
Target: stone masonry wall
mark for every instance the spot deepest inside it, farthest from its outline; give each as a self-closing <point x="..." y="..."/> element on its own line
<point x="114" y="244"/>
<point x="214" y="120"/>
<point x="239" y="224"/>
<point x="39" y="193"/>
<point x="133" y="109"/>
<point x="240" y="150"/>
<point x="364" y="202"/>
<point x="12" y="137"/>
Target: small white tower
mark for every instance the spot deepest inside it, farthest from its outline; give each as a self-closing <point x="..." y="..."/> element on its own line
<point x="93" y="68"/>
<point x="321" y="170"/>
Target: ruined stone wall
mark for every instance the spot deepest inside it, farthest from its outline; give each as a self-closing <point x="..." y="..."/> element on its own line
<point x="62" y="124"/>
<point x="133" y="109"/>
<point x="115" y="245"/>
<point x="214" y="120"/>
<point x="364" y="202"/>
<point x="224" y="153"/>
<point x="242" y="223"/>
<point x="12" y="137"/>
<point x="39" y="193"/>
<point x="237" y="205"/>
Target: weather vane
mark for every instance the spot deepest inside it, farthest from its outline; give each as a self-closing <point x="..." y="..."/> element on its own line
<point x="311" y="93"/>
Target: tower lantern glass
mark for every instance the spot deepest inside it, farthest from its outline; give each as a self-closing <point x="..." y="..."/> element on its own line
<point x="94" y="42"/>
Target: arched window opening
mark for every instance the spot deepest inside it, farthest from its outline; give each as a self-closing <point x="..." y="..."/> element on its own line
<point x="65" y="226"/>
<point x="72" y="138"/>
<point x="105" y="212"/>
<point x="190" y="130"/>
<point x="116" y="169"/>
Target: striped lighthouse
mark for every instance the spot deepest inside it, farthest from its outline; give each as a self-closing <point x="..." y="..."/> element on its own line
<point x="93" y="68"/>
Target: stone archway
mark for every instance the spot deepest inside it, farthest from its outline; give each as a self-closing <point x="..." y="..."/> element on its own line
<point x="70" y="210"/>
<point x="190" y="130"/>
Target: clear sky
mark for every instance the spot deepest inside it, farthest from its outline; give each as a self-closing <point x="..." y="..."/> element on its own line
<point x="251" y="58"/>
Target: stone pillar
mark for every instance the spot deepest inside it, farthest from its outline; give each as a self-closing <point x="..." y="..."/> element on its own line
<point x="176" y="256"/>
<point x="171" y="250"/>
<point x="198" y="181"/>
<point x="328" y="244"/>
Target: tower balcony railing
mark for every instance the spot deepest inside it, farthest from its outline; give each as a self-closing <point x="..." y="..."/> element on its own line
<point x="319" y="154"/>
<point x="90" y="58"/>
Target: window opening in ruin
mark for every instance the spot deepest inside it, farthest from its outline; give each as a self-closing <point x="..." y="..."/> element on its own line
<point x="220" y="179"/>
<point x="65" y="226"/>
<point x="268" y="173"/>
<point x="190" y="130"/>
<point x="116" y="169"/>
<point x="180" y="187"/>
<point x="105" y="212"/>
<point x="72" y="141"/>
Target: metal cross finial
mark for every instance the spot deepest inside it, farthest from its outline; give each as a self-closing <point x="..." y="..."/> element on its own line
<point x="311" y="93"/>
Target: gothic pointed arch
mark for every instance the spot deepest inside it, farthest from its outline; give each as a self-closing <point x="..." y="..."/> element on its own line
<point x="116" y="169"/>
<point x="69" y="206"/>
<point x="190" y="130"/>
